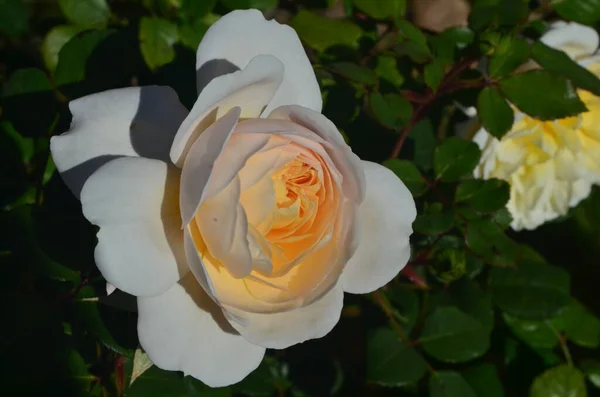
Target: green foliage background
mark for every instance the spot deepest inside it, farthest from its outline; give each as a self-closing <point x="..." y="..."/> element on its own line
<point x="480" y="311"/>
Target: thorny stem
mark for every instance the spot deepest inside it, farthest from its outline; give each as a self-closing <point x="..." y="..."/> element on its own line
<point x="447" y="86"/>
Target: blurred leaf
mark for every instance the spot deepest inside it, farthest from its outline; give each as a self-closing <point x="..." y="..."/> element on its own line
<point x="582" y="11"/>
<point x="497" y="13"/>
<point x="434" y="73"/>
<point x="532" y="291"/>
<point x="592" y="371"/>
<point x="406" y="306"/>
<point x="558" y="62"/>
<point x="483" y="195"/>
<point x="454" y="158"/>
<point x="79" y="373"/>
<point x="73" y="57"/>
<point x="195" y="388"/>
<point x="25" y="146"/>
<point x="391" y="110"/>
<point x="452" y="336"/>
<point x="141" y="363"/>
<point x="484" y="381"/>
<point x="448" y="264"/>
<point x="408" y="173"/>
<point x="54" y="42"/>
<point x="91" y="13"/>
<point x="156" y="382"/>
<point x="321" y="33"/>
<point x="562" y="381"/>
<point x="434" y="221"/>
<point x="537" y="334"/>
<point x="510" y="53"/>
<point x="26" y="81"/>
<point x="461" y="36"/>
<point x="191" y="33"/>
<point x="390" y="362"/>
<point x="412" y="33"/>
<point x="13" y="17"/>
<point x="496" y="115"/>
<point x="355" y="72"/>
<point x="157" y="37"/>
<point x="194" y="9"/>
<point x="449" y="384"/>
<point x="259" y="383"/>
<point x="559" y="100"/>
<point x="488" y="241"/>
<point x="581" y="326"/>
<point x="246" y="4"/>
<point x="387" y="69"/>
<point x="381" y="9"/>
<point x="423" y="136"/>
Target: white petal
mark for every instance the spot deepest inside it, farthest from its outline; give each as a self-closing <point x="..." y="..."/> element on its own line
<point x="251" y="89"/>
<point x="284" y="329"/>
<point x="140" y="242"/>
<point x="386" y="218"/>
<point x="575" y="39"/>
<point x="240" y="36"/>
<point x="184" y="330"/>
<point x="135" y="121"/>
<point x="199" y="164"/>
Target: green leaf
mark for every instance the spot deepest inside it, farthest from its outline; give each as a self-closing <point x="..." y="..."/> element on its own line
<point x="461" y="36"/>
<point x="72" y="58"/>
<point x="26" y="81"/>
<point x="559" y="100"/>
<point x="157" y="37"/>
<point x="487" y="240"/>
<point x="581" y="326"/>
<point x="13" y="17"/>
<point x="483" y="195"/>
<point x="156" y="382"/>
<point x="537" y="334"/>
<point x="321" y="33"/>
<point x="510" y="53"/>
<point x="259" y="383"/>
<point x="191" y="33"/>
<point x="194" y="9"/>
<point x="561" y="381"/>
<point x="387" y="69"/>
<point x="423" y="136"/>
<point x="141" y="363"/>
<point x="91" y="13"/>
<point x="381" y="9"/>
<point x="495" y="114"/>
<point x="532" y="291"/>
<point x="391" y="110"/>
<point x="406" y="306"/>
<point x="560" y="63"/>
<point x="409" y="174"/>
<point x="390" y="362"/>
<point x="452" y="336"/>
<point x="434" y="222"/>
<point x="484" y="380"/>
<point x="246" y="4"/>
<point x="54" y="42"/>
<point x="454" y="158"/>
<point x="591" y="369"/>
<point x="449" y="384"/>
<point x="355" y="72"/>
<point x="582" y="11"/>
<point x="412" y="33"/>
<point x="434" y="73"/>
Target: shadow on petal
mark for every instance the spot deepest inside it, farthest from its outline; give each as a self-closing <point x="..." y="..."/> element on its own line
<point x="211" y="70"/>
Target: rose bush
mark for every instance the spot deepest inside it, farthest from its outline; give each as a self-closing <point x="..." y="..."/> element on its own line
<point x="550" y="165"/>
<point x="238" y="224"/>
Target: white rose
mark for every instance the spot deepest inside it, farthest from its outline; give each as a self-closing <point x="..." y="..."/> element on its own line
<point x="240" y="224"/>
<point x="550" y="165"/>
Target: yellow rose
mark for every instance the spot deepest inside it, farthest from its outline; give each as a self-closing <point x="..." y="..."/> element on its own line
<point x="238" y="225"/>
<point x="550" y="165"/>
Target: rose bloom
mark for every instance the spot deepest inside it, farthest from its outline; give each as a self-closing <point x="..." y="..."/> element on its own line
<point x="550" y="165"/>
<point x="238" y="224"/>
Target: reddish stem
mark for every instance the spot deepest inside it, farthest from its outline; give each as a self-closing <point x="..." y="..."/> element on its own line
<point x="414" y="277"/>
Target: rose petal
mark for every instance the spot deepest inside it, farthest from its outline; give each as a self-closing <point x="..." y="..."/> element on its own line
<point x="140" y="242"/>
<point x="251" y="89"/>
<point x="385" y="218"/>
<point x="183" y="330"/>
<point x="239" y="36"/>
<point x="135" y="121"/>
<point x="575" y="39"/>
<point x="281" y="330"/>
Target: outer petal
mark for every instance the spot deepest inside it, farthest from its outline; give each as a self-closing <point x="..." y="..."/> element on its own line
<point x="281" y="330"/>
<point x="240" y="36"/>
<point x="575" y="39"/>
<point x="385" y="217"/>
<point x="184" y="330"/>
<point x="140" y="242"/>
<point x="251" y="89"/>
<point x="135" y="121"/>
